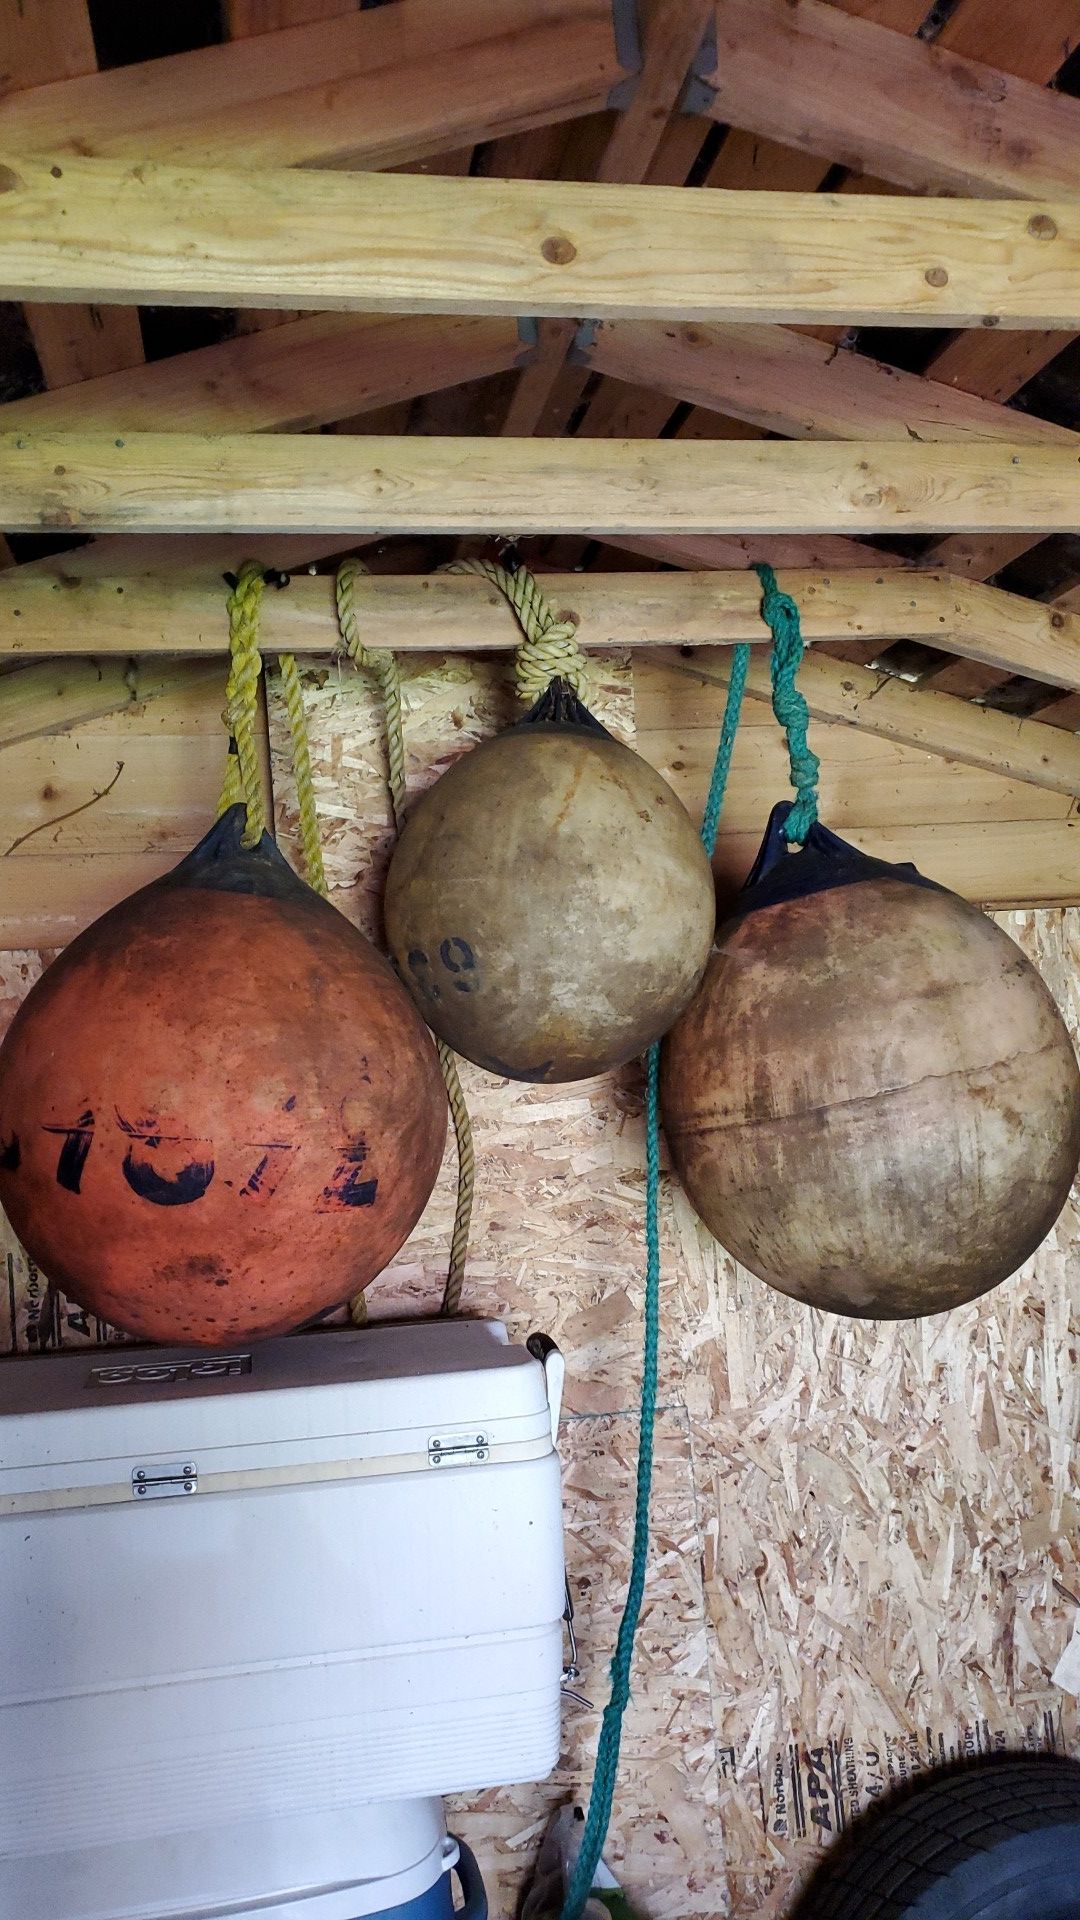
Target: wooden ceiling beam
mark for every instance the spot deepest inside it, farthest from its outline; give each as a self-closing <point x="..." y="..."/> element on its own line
<point x="45" y="40"/>
<point x="411" y="243"/>
<point x="785" y="382"/>
<point x="303" y="374"/>
<point x="137" y="613"/>
<point x="826" y="552"/>
<point x="886" y="103"/>
<point x="320" y="483"/>
<point x="370" y="89"/>
<point x="549" y="392"/>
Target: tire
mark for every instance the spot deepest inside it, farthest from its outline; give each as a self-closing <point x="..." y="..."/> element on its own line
<point x="988" y="1840"/>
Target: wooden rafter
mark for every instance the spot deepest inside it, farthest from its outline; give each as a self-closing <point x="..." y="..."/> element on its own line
<point x="301" y="374"/>
<point x="839" y="694"/>
<point x="339" y="484"/>
<point x="371" y="89"/>
<point x="829" y="83"/>
<point x="785" y="382"/>
<point x="405" y="242"/>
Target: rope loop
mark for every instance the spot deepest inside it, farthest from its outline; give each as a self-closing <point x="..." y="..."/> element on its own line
<point x="243" y="778"/>
<point x="549" y="649"/>
<point x="383" y="668"/>
<point x="781" y="615"/>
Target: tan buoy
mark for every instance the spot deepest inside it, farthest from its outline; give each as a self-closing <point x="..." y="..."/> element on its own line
<point x="219" y="1111"/>
<point x="872" y="1101"/>
<point x="549" y="902"/>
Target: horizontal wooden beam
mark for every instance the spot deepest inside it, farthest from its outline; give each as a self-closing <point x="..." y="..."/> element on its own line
<point x="300" y="375"/>
<point x="77" y="229"/>
<point x="63" y="613"/>
<point x="372" y="89"/>
<point x="674" y="615"/>
<point x="297" y="483"/>
<point x="821" y="79"/>
<point x="839" y="694"/>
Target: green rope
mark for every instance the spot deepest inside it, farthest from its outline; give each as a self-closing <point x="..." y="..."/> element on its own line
<point x="607" y="1752"/>
<point x="781" y="615"/>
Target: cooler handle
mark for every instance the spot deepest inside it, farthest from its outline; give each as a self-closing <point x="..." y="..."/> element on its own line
<point x="472" y="1886"/>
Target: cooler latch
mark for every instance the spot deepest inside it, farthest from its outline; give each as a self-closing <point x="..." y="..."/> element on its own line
<point x="452" y="1449"/>
<point x="164" y="1477"/>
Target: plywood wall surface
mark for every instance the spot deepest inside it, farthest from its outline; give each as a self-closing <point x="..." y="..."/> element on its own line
<point x="865" y="1537"/>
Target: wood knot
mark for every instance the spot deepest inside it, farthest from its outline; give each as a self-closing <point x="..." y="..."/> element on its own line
<point x="936" y="277"/>
<point x="1041" y="227"/>
<point x="558" y="251"/>
<point x="9" y="180"/>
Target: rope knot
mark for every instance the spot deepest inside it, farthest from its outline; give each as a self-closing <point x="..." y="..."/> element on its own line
<point x="549" y="649"/>
<point x="781" y="615"/>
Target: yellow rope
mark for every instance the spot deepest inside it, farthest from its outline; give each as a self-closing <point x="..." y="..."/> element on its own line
<point x="310" y="840"/>
<point x="383" y="668"/>
<point x="243" y="779"/>
<point x="550" y="648"/>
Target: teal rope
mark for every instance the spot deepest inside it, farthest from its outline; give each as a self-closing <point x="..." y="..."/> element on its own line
<point x="607" y="1752"/>
<point x="722" y="764"/>
<point x="781" y="615"/>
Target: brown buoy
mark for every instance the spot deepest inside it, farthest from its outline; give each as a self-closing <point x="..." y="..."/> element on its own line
<point x="549" y="902"/>
<point x="219" y="1111"/>
<point x="873" y="1101"/>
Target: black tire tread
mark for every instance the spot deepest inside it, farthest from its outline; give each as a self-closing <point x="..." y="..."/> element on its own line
<point x="901" y="1851"/>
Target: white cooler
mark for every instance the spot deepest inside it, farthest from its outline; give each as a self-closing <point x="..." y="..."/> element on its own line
<point x="261" y="1609"/>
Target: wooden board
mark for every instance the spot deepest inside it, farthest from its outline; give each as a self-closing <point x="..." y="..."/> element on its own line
<point x="196" y="236"/>
<point x="297" y="376"/>
<point x="889" y="104"/>
<point x="293" y="483"/>
<point x="64" y="612"/>
<point x="787" y="383"/>
<point x="371" y="89"/>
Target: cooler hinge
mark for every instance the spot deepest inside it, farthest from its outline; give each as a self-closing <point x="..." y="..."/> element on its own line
<point x="453" y="1449"/>
<point x="164" y="1477"/>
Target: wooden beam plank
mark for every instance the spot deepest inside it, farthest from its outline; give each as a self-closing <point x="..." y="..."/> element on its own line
<point x="63" y="614"/>
<point x="60" y="693"/>
<point x="45" y="40"/>
<point x="371" y="89"/>
<point x="988" y="30"/>
<point x="880" y="703"/>
<point x="786" y="382"/>
<point x="297" y="376"/>
<point x="296" y="483"/>
<point x="405" y="242"/>
<point x="444" y="613"/>
<point x="829" y="552"/>
<point x="674" y="31"/>
<point x="804" y="75"/>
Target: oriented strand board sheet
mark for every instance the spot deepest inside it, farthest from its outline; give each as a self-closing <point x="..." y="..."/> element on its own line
<point x="865" y="1537"/>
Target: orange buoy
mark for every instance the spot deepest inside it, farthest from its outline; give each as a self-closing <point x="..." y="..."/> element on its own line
<point x="872" y="1101"/>
<point x="220" y="1112"/>
<point x="549" y="902"/>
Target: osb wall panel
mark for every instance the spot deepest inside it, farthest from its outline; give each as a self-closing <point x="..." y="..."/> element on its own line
<point x="864" y="1547"/>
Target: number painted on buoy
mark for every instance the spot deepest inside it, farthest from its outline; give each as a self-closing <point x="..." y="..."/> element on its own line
<point x="176" y="1170"/>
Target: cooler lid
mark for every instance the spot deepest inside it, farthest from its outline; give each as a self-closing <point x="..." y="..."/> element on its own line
<point x="388" y="1392"/>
